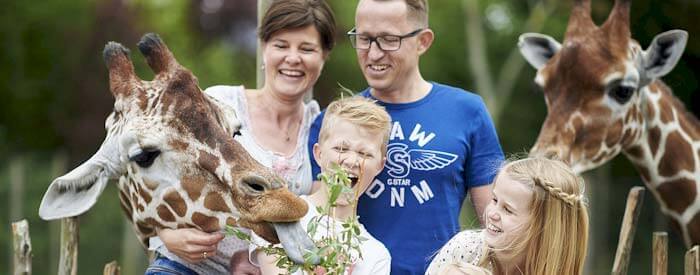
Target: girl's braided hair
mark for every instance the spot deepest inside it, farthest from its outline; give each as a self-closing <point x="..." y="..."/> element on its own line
<point x="557" y="192"/>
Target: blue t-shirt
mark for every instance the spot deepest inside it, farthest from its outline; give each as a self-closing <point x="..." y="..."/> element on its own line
<point x="439" y="147"/>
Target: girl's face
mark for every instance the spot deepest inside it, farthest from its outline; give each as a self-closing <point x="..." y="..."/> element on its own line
<point x="508" y="214"/>
<point x="293" y="61"/>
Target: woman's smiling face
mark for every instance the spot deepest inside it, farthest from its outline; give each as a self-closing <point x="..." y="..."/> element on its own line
<point x="293" y="60"/>
<point x="508" y="214"/>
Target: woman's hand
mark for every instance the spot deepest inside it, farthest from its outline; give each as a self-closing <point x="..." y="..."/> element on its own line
<point x="190" y="244"/>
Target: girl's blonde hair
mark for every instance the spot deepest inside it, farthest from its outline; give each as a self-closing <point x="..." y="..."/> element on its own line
<point x="556" y="239"/>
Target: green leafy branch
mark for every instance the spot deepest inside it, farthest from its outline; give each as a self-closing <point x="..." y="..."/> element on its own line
<point x="337" y="251"/>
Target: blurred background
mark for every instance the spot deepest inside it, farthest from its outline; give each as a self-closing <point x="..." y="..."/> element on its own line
<point x="54" y="98"/>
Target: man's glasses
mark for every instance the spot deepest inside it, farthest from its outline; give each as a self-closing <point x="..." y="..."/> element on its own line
<point x="384" y="42"/>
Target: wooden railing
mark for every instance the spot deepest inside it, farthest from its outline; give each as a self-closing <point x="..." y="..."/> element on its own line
<point x="659" y="240"/>
<point x="68" y="264"/>
<point x="69" y="245"/>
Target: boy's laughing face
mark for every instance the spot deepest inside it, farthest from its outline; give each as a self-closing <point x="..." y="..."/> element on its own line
<point x="355" y="149"/>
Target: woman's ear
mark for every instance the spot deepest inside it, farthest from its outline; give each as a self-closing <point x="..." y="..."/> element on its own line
<point x="425" y="40"/>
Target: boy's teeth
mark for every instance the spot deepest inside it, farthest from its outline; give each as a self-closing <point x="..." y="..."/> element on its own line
<point x="378" y="67"/>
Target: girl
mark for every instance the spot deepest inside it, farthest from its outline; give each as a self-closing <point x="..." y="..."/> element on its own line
<point x="537" y="223"/>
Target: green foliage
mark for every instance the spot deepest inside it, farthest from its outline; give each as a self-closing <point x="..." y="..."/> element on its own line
<point x="336" y="250"/>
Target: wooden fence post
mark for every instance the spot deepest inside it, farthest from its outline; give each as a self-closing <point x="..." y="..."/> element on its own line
<point x="692" y="261"/>
<point x="112" y="268"/>
<point x="629" y="225"/>
<point x="59" y="163"/>
<point x="659" y="264"/>
<point x="68" y="262"/>
<point x="22" y="244"/>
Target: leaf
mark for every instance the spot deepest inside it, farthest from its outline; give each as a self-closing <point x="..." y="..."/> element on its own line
<point x="237" y="232"/>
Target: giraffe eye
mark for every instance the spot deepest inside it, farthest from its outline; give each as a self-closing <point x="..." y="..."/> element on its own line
<point x="146" y="157"/>
<point x="621" y="93"/>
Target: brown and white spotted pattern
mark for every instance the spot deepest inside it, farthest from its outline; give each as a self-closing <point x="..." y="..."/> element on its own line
<point x="604" y="96"/>
<point x="171" y="148"/>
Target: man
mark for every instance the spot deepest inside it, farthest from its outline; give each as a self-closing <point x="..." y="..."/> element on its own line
<point x="442" y="143"/>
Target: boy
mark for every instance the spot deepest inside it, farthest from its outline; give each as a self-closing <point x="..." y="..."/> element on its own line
<point x="353" y="136"/>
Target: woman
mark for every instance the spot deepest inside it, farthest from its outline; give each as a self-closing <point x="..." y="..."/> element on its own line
<point x="537" y="223"/>
<point x="296" y="38"/>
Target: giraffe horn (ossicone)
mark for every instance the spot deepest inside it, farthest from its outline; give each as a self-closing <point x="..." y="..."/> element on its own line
<point x="618" y="21"/>
<point x="580" y="19"/>
<point x="121" y="70"/>
<point x="157" y="54"/>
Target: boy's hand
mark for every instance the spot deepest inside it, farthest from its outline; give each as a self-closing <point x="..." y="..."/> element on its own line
<point x="190" y="244"/>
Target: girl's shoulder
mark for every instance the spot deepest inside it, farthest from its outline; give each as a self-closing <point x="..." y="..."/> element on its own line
<point x="465" y="247"/>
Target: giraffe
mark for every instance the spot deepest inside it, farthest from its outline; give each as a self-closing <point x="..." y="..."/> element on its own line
<point x="604" y="96"/>
<point x="171" y="148"/>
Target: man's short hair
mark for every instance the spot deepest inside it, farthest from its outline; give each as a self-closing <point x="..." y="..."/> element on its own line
<point x="417" y="11"/>
<point x="360" y="111"/>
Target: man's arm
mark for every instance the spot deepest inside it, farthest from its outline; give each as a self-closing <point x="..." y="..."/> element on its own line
<point x="480" y="196"/>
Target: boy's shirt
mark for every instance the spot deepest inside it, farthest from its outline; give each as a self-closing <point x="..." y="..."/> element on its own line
<point x="439" y="147"/>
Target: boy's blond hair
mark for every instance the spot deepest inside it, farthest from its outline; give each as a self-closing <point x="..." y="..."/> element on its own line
<point x="556" y="239"/>
<point x="360" y="111"/>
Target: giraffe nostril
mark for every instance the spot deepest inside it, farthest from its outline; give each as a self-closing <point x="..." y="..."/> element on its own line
<point x="255" y="183"/>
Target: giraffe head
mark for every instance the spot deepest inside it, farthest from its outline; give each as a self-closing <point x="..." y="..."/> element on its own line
<point x="595" y="84"/>
<point x="171" y="148"/>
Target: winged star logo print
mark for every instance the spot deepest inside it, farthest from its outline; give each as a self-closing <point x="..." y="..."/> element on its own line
<point x="400" y="161"/>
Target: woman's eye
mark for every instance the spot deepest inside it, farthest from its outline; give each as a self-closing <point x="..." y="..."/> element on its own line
<point x="280" y="46"/>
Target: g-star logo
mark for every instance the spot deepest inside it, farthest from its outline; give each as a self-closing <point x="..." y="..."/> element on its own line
<point x="400" y="161"/>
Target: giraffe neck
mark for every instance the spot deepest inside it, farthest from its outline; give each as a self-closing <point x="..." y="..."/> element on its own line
<point x="667" y="158"/>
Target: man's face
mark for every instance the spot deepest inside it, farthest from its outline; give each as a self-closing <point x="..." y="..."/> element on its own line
<point x="386" y="71"/>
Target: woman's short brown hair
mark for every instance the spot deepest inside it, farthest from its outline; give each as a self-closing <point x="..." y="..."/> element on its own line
<point x="293" y="14"/>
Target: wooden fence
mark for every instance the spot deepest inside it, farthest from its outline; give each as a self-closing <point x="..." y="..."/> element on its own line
<point x="68" y="264"/>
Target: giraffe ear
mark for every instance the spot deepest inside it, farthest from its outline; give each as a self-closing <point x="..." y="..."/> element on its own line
<point x="663" y="53"/>
<point x="538" y="48"/>
<point x="65" y="199"/>
<point x="76" y="192"/>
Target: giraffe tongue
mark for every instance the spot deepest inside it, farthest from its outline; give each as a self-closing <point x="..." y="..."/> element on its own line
<point x="295" y="241"/>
